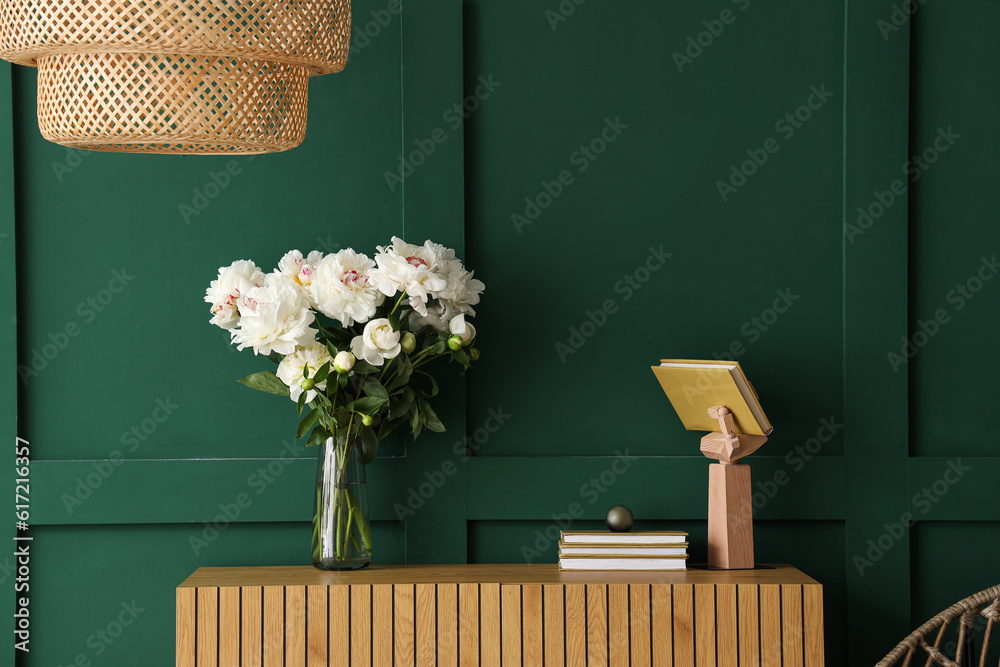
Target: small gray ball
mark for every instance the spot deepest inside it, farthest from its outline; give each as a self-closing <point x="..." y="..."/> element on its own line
<point x="619" y="519"/>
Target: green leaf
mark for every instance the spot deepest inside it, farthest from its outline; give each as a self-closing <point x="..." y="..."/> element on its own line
<point x="402" y="375"/>
<point x="267" y="382"/>
<point x="434" y="385"/>
<point x="299" y="404"/>
<point x="307" y="423"/>
<point x="323" y="373"/>
<point x="415" y="417"/>
<point x="430" y="417"/>
<point x="369" y="445"/>
<point x="342" y="379"/>
<point x="394" y="321"/>
<point x="403" y="405"/>
<point x="362" y="367"/>
<point x="440" y="347"/>
<point x="317" y="437"/>
<point x="388" y="428"/>
<point x="461" y="356"/>
<point x="366" y="405"/>
<point x="374" y="388"/>
<point x="331" y="349"/>
<point x="275" y="357"/>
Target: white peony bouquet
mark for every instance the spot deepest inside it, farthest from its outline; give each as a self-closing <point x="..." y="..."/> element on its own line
<point x="352" y="334"/>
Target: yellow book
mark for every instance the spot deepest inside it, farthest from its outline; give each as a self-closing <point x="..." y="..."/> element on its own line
<point x="693" y="386"/>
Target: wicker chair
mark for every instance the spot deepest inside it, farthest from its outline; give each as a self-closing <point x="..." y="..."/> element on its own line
<point x="968" y="612"/>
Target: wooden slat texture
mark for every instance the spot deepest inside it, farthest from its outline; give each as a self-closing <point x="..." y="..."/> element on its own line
<point x="426" y="625"/>
<point x="662" y="624"/>
<point x="727" y="647"/>
<point x="555" y="625"/>
<point x="338" y="626"/>
<point x="770" y="625"/>
<point x="186" y="620"/>
<point x="618" y="621"/>
<point x="229" y="626"/>
<point x="361" y="626"/>
<point x="683" y="609"/>
<point x="489" y="620"/>
<point x="468" y="625"/>
<point x="404" y="652"/>
<point x="510" y="626"/>
<point x="812" y="614"/>
<point x="274" y="626"/>
<point x="493" y="624"/>
<point x="597" y="625"/>
<point x="295" y="626"/>
<point x="252" y="642"/>
<point x="318" y="623"/>
<point x="382" y="625"/>
<point x="532" y="648"/>
<point x="208" y="630"/>
<point x="576" y="626"/>
<point x="749" y="617"/>
<point x="641" y="648"/>
<point x="447" y="622"/>
<point x="791" y="625"/>
<point x="704" y="624"/>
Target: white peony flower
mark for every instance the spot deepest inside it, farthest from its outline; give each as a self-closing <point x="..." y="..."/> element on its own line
<point x="290" y="369"/>
<point x="224" y="292"/>
<point x="274" y="317"/>
<point x="460" y="327"/>
<point x="403" y="267"/>
<point x="342" y="287"/>
<point x="299" y="270"/>
<point x="377" y="343"/>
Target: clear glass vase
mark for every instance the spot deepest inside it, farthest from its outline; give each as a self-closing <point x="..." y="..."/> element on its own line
<point x="341" y="528"/>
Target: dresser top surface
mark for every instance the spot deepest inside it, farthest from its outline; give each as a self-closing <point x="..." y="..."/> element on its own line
<point x="547" y="573"/>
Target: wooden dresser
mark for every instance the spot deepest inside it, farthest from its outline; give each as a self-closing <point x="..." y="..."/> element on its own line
<point x="498" y="615"/>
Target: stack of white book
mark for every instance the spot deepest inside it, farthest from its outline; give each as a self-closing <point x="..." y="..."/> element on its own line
<point x="604" y="550"/>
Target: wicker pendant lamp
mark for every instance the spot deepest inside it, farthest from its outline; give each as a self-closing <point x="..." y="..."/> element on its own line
<point x="175" y="76"/>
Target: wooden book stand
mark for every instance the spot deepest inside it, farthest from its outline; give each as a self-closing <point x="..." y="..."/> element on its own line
<point x="730" y="509"/>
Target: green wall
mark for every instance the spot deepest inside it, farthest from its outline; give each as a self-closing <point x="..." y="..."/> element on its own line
<point x="591" y="187"/>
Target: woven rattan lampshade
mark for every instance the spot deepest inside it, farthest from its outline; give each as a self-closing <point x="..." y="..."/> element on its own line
<point x="175" y="76"/>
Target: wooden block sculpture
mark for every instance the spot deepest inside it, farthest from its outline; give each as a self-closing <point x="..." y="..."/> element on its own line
<point x="730" y="509"/>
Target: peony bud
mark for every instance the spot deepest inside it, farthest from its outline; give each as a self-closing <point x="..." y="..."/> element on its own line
<point x="409" y="342"/>
<point x="308" y="384"/>
<point x="343" y="362"/>
<point x="474" y="354"/>
<point x="366" y="420"/>
<point x="462" y="328"/>
<point x="455" y="342"/>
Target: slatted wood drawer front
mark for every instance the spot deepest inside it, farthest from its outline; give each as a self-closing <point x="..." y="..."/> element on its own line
<point x="419" y="624"/>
